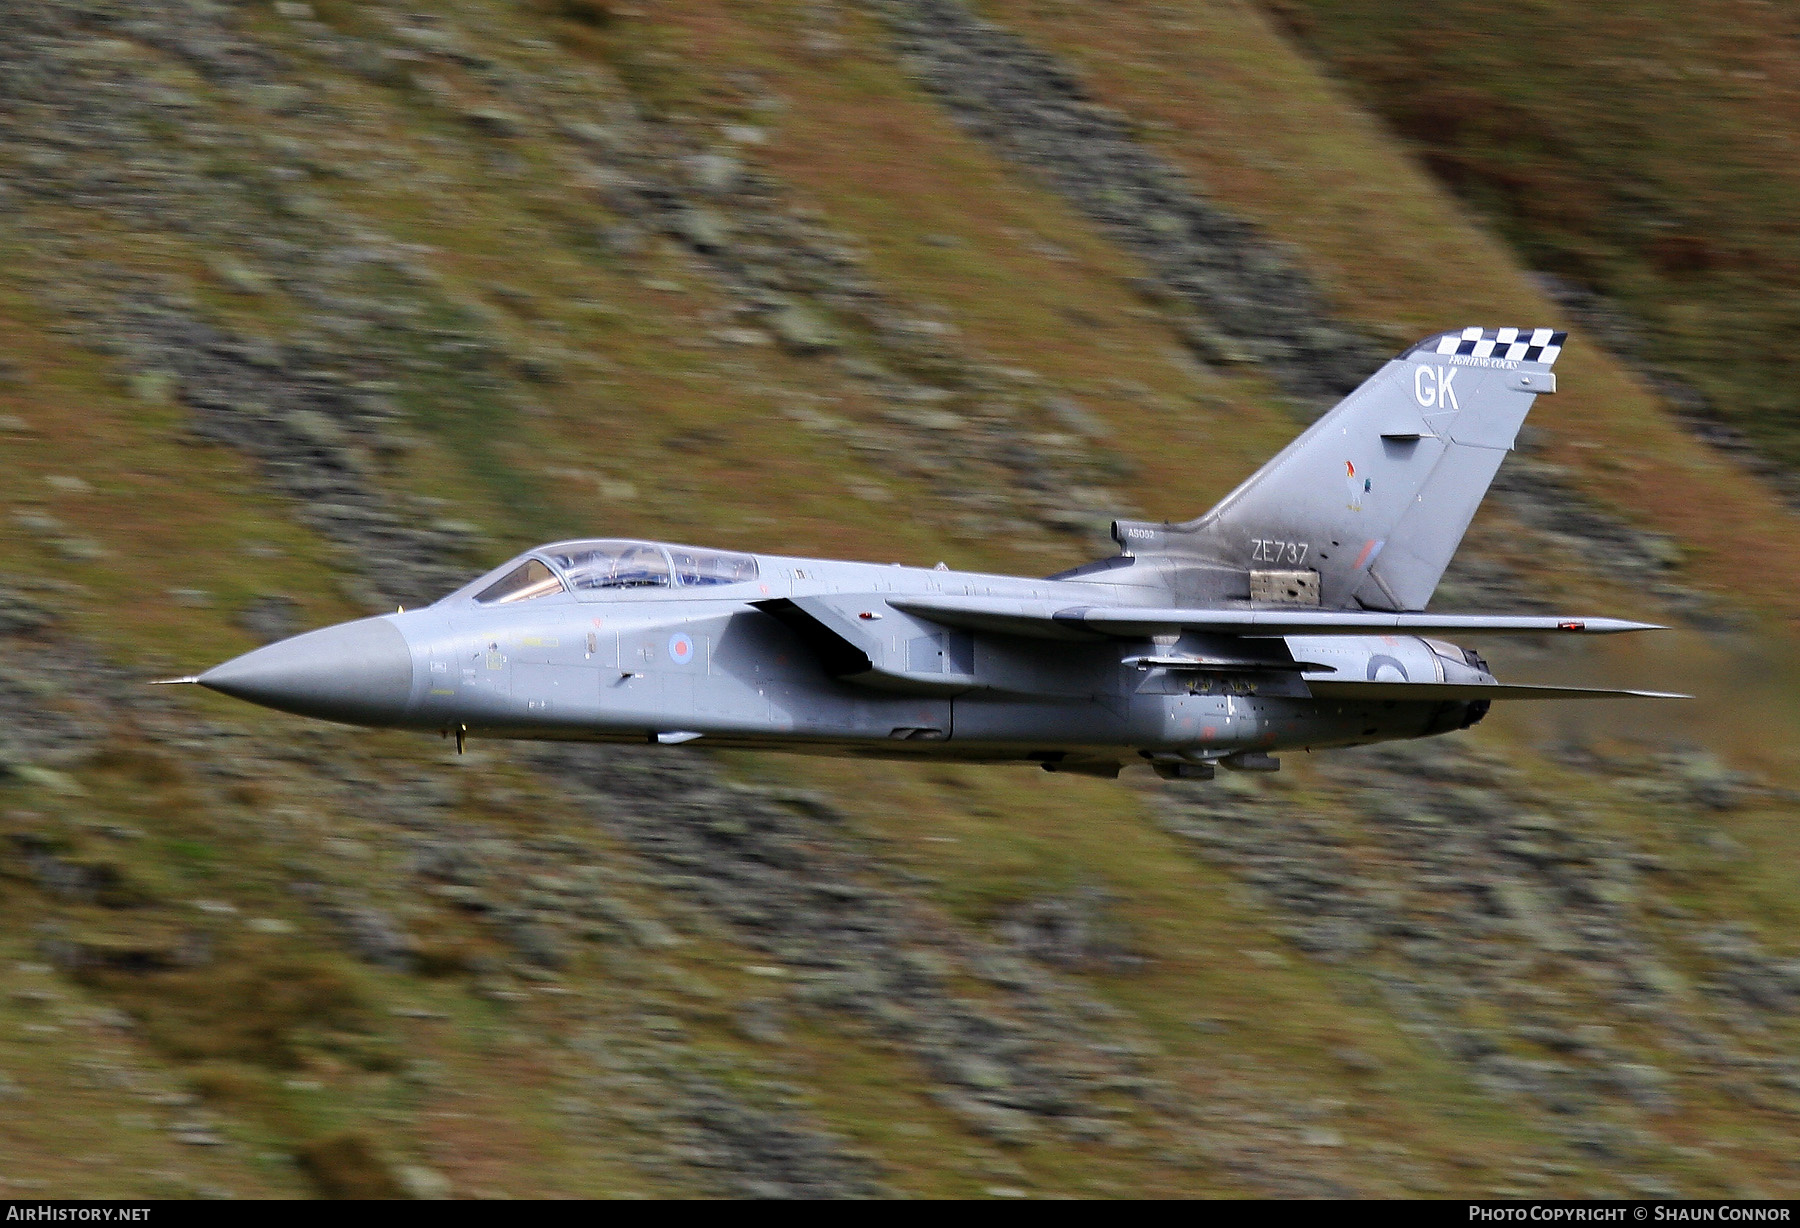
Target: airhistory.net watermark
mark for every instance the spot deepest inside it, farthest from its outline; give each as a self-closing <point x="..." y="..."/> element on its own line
<point x="50" y="1213"/>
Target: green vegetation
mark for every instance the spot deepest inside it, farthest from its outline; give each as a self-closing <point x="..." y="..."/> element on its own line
<point x="240" y="953"/>
<point x="1642" y="150"/>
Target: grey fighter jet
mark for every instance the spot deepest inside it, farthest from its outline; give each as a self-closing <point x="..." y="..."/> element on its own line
<point x="1289" y="616"/>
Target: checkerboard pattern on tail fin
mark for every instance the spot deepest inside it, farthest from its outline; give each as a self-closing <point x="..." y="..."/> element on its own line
<point x="1513" y="344"/>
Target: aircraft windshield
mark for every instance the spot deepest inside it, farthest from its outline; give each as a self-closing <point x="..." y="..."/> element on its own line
<point x="697" y="568"/>
<point x="529" y="579"/>
<point x="613" y="565"/>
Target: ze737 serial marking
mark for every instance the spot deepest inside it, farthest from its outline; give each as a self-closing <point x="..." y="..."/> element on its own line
<point x="1267" y="550"/>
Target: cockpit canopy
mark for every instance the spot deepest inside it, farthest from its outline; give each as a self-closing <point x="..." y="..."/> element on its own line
<point x="590" y="569"/>
<point x="529" y="579"/>
<point x="596" y="565"/>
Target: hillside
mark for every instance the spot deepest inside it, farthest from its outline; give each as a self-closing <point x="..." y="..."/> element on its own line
<point x="1642" y="154"/>
<point x="313" y="309"/>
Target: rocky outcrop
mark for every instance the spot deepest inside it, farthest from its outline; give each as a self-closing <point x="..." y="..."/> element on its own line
<point x="1234" y="293"/>
<point x="1023" y="1061"/>
<point x="1501" y="927"/>
<point x="565" y="889"/>
<point x="1248" y="301"/>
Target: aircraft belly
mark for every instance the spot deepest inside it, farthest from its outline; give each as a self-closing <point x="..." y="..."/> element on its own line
<point x="841" y="712"/>
<point x="1225" y="723"/>
<point x="1327" y="723"/>
<point x="741" y="680"/>
<point x="1051" y="723"/>
<point x="1205" y="722"/>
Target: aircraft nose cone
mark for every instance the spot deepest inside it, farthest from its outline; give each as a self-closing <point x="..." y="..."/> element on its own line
<point x="360" y="673"/>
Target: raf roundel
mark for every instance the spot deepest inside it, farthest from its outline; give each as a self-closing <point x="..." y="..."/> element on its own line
<point x="681" y="648"/>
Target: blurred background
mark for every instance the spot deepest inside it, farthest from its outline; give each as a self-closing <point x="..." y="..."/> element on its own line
<point x="311" y="309"/>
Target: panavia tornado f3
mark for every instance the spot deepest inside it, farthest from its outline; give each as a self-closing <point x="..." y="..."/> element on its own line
<point x="1289" y="616"/>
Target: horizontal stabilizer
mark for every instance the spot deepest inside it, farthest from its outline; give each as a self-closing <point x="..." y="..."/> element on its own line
<point x="1432" y="692"/>
<point x="1051" y="620"/>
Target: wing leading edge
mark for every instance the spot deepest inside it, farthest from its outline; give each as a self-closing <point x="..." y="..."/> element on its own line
<point x="1052" y="620"/>
<point x="1426" y="692"/>
<point x="853" y="646"/>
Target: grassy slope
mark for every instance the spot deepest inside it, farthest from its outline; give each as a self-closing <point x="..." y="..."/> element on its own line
<point x="1219" y="89"/>
<point x="854" y="136"/>
<point x="1644" y="149"/>
<point x="1026" y="281"/>
<point x="163" y="516"/>
<point x="1397" y="253"/>
<point x="1216" y="87"/>
<point x="854" y="140"/>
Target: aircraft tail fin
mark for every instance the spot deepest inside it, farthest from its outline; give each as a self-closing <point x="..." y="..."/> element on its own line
<point x="1367" y="506"/>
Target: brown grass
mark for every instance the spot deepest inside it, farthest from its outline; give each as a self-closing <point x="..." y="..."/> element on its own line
<point x="348" y="1164"/>
<point x="247" y="1010"/>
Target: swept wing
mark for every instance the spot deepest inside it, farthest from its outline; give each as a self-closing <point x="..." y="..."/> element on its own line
<point x="1054" y="620"/>
<point x="1426" y="692"/>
